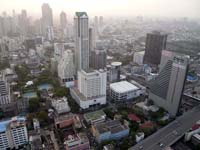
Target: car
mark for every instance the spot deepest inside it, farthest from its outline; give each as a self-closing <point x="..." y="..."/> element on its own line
<point x="161" y="145"/>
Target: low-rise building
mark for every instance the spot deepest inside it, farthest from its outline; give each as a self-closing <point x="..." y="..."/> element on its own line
<point x="124" y="90"/>
<point x="139" y="136"/>
<point x="134" y="117"/>
<point x="95" y="117"/>
<point x="61" y="105"/>
<point x="67" y="120"/>
<point x="77" y="142"/>
<point x="110" y="130"/>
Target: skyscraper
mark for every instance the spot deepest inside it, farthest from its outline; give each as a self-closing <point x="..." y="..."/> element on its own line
<point x="155" y="43"/>
<point x="166" y="89"/>
<point x="63" y="20"/>
<point x="98" y="59"/>
<point x="47" y="18"/>
<point x="81" y="41"/>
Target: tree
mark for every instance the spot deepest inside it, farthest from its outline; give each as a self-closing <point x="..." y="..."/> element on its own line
<point x="61" y="92"/>
<point x="33" y="104"/>
<point x="109" y="113"/>
<point x="42" y="116"/>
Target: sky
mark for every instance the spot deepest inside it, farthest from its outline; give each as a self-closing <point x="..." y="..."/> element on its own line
<point x="154" y="8"/>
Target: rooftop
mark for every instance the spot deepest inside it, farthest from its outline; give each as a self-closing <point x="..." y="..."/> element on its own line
<point x="134" y="117"/>
<point x="94" y="115"/>
<point x="5" y="123"/>
<point x="123" y="86"/>
<point x="80" y="14"/>
<point x="116" y="63"/>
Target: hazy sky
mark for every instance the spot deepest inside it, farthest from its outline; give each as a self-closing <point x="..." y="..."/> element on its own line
<point x="168" y="8"/>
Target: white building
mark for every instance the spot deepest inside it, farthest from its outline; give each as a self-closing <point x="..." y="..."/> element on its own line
<point x="58" y="50"/>
<point x="91" y="88"/>
<point x="138" y="57"/>
<point x="139" y="137"/>
<point x="121" y="91"/>
<point x="4" y="92"/>
<point x="50" y="33"/>
<point x="61" y="105"/>
<point x="13" y="133"/>
<point x="66" y="69"/>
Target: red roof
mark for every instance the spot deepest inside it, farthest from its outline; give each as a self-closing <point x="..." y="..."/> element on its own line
<point x="134" y="117"/>
<point x="147" y="124"/>
<point x="196" y="126"/>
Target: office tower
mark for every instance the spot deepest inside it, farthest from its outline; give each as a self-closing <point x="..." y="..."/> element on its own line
<point x="66" y="68"/>
<point x="166" y="89"/>
<point x="81" y="41"/>
<point x="91" y="40"/>
<point x="63" y="20"/>
<point x="13" y="133"/>
<point x="98" y="59"/>
<point x="155" y="43"/>
<point x="91" y="89"/>
<point x="47" y="18"/>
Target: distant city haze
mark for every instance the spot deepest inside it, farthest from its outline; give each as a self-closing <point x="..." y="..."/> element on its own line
<point x="151" y="8"/>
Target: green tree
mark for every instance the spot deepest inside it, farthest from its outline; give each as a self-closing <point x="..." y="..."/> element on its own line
<point x="34" y="104"/>
<point x="42" y="116"/>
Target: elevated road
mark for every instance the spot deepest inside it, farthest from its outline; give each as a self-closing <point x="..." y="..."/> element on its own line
<point x="169" y="134"/>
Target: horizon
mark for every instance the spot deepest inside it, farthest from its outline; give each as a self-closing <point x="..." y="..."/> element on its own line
<point x="111" y="8"/>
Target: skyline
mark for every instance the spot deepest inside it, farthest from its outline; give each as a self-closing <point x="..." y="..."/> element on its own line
<point x="119" y="8"/>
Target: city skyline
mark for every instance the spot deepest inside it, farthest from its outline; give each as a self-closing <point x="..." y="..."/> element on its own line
<point x="119" y="8"/>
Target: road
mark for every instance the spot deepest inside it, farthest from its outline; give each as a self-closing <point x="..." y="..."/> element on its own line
<point x="169" y="134"/>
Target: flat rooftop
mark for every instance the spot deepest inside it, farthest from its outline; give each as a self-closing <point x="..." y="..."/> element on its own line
<point x="5" y="123"/>
<point x="94" y="115"/>
<point x="123" y="86"/>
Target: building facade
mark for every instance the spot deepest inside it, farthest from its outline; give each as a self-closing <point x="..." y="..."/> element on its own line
<point x="13" y="133"/>
<point x="155" y="43"/>
<point x="166" y="89"/>
<point x="91" y="88"/>
<point x="66" y="68"/>
<point x="98" y="59"/>
<point x="122" y="91"/>
<point x="47" y="18"/>
<point x="81" y="41"/>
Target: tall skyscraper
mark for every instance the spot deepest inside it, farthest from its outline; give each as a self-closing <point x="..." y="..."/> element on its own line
<point x="81" y="41"/>
<point x="155" y="43"/>
<point x="47" y="18"/>
<point x="63" y="20"/>
<point x="166" y="89"/>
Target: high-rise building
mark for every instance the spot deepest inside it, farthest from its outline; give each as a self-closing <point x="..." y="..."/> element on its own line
<point x="47" y="18"/>
<point x="63" y="20"/>
<point x="13" y="133"/>
<point x="81" y="41"/>
<point x="66" y="68"/>
<point x="91" y="89"/>
<point x="155" y="43"/>
<point x="166" y="89"/>
<point x="98" y="59"/>
<point x="23" y="22"/>
<point x="58" y="51"/>
<point x="4" y="91"/>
